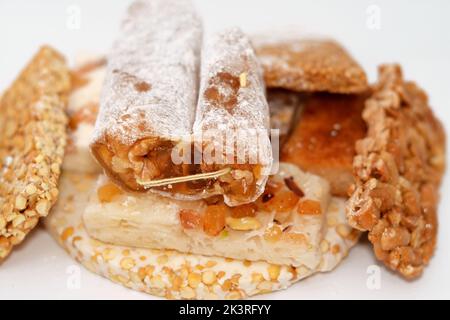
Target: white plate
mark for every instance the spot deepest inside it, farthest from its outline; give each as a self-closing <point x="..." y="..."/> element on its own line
<point x="411" y="32"/>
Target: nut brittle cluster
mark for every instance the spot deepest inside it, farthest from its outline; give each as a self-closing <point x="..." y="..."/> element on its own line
<point x="398" y="169"/>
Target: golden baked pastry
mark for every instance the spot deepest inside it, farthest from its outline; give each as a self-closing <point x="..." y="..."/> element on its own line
<point x="323" y="141"/>
<point x="310" y="65"/>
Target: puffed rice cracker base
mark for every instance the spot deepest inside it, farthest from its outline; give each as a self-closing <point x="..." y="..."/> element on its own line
<point x="175" y="275"/>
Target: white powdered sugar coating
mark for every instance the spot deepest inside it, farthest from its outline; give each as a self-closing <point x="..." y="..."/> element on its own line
<point x="232" y="74"/>
<point x="151" y="83"/>
<point x="230" y="52"/>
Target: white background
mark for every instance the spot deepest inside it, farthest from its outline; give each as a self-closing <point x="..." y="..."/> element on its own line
<point x="414" y="33"/>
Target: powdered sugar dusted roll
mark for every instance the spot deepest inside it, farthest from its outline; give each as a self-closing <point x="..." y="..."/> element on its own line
<point x="149" y="104"/>
<point x="150" y="93"/>
<point x="232" y="117"/>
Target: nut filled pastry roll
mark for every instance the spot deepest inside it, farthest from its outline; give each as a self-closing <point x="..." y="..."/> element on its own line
<point x="229" y="152"/>
<point x="150" y="92"/>
<point x="232" y="120"/>
<point x="144" y="134"/>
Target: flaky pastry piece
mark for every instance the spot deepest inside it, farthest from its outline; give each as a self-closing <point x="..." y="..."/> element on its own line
<point x="398" y="169"/>
<point x="323" y="139"/>
<point x="32" y="141"/>
<point x="309" y="65"/>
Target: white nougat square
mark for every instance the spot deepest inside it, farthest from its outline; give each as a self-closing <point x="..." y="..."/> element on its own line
<point x="286" y="228"/>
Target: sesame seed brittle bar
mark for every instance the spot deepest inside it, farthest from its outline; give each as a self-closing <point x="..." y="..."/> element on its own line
<point x="32" y="141"/>
<point x="398" y="169"/>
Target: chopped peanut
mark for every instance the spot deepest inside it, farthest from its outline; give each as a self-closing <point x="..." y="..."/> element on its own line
<point x="194" y="279"/>
<point x="127" y="263"/>
<point x="243" y="224"/>
<point x="42" y="207"/>
<point x="187" y="293"/>
<point x="209" y="277"/>
<point x="21" y="203"/>
<point x="394" y="237"/>
<point x="274" y="272"/>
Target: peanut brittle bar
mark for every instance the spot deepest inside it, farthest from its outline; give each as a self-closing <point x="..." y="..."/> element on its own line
<point x="32" y="142"/>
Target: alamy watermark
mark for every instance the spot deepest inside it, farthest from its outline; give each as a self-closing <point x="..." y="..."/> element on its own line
<point x="373" y="281"/>
<point x="73" y="20"/>
<point x="373" y="20"/>
<point x="73" y="277"/>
